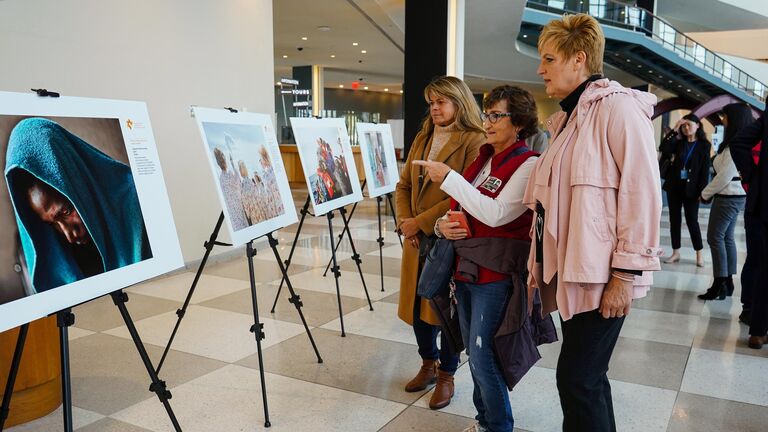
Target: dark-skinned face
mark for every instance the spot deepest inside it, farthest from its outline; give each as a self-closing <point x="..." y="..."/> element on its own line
<point x="56" y="210"/>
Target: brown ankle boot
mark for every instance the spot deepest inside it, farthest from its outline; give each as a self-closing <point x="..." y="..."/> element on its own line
<point x="443" y="391"/>
<point x="425" y="377"/>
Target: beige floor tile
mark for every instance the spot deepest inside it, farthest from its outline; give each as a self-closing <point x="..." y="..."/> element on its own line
<point x="381" y="323"/>
<point x="371" y="265"/>
<point x="394" y="251"/>
<point x="374" y="367"/>
<point x="394" y="298"/>
<point x="426" y="420"/>
<point x="111" y="425"/>
<point x="230" y="400"/>
<point x="212" y="333"/>
<point x="102" y="314"/>
<point x="77" y="333"/>
<point x="706" y="414"/>
<point x="177" y="287"/>
<point x="728" y="376"/>
<point x="319" y="308"/>
<point x="108" y="375"/>
<point x="725" y="335"/>
<point x="670" y="300"/>
<point x="54" y="421"/>
<point x="637" y="407"/>
<point x="662" y="327"/>
<point x="636" y="361"/>
<point x="263" y="269"/>
<point x="350" y="283"/>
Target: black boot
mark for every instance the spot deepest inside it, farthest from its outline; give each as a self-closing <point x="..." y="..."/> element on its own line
<point x="746" y="316"/>
<point x="716" y="291"/>
<point x="729" y="286"/>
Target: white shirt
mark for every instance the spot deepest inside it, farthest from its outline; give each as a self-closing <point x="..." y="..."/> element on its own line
<point x="722" y="183"/>
<point x="494" y="212"/>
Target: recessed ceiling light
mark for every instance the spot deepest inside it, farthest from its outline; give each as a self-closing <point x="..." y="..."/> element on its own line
<point x="629" y="61"/>
<point x="303" y="38"/>
<point x="354" y="43"/>
<point x="670" y="80"/>
<point x="341" y="85"/>
<point x="364" y="51"/>
<point x="285" y="56"/>
<point x="386" y="89"/>
<point x="525" y="36"/>
<point x="401" y="92"/>
<point x="365" y="88"/>
<point x="689" y="90"/>
<point x="639" y="66"/>
<point x="324" y="28"/>
<point x="333" y="55"/>
<point x="277" y="83"/>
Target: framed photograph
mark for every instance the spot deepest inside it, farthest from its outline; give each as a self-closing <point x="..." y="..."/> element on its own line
<point x="83" y="204"/>
<point x="379" y="160"/>
<point x="248" y="170"/>
<point x="328" y="163"/>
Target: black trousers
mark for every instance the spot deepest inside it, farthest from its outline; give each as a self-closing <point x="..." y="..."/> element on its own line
<point x="677" y="201"/>
<point x="582" y="372"/>
<point x="758" y="325"/>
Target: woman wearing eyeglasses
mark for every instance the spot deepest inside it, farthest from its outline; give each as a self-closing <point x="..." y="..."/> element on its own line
<point x="597" y="200"/>
<point x="687" y="177"/>
<point x="490" y="195"/>
<point x="452" y="133"/>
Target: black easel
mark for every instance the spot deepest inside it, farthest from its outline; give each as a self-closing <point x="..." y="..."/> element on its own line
<point x="379" y="240"/>
<point x="65" y="319"/>
<point x="5" y="407"/>
<point x="335" y="268"/>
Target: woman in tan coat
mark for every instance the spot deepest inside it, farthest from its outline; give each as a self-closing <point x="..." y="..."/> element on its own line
<point x="452" y="133"/>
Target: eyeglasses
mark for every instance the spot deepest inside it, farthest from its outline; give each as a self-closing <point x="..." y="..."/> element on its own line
<point x="493" y="117"/>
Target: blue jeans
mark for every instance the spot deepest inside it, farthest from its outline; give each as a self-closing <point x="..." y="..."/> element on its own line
<point x="481" y="310"/>
<point x="426" y="339"/>
<point x="722" y="222"/>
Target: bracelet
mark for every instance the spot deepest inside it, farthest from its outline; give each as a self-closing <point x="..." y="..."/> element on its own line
<point x="626" y="277"/>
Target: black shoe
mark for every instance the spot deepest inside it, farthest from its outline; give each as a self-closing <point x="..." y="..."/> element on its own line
<point x="729" y="286"/>
<point x="745" y="316"/>
<point x="716" y="291"/>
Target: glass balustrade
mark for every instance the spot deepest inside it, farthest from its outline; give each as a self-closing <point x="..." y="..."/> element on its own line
<point x="633" y="18"/>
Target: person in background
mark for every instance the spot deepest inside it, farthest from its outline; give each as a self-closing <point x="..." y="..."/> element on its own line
<point x="755" y="175"/>
<point x="452" y="133"/>
<point x="490" y="192"/>
<point x="597" y="199"/>
<point x="728" y="198"/>
<point x="686" y="178"/>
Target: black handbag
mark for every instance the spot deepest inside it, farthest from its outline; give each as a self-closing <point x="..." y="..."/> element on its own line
<point x="437" y="270"/>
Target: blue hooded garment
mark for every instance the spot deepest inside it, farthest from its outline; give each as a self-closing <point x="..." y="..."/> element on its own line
<point x="100" y="188"/>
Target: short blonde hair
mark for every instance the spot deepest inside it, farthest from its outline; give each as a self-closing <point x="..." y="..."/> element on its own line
<point x="574" y="33"/>
<point x="467" y="109"/>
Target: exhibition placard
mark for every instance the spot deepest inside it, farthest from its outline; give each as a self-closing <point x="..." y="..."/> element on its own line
<point x="84" y="206"/>
<point x="328" y="163"/>
<point x="379" y="160"/>
<point x="245" y="160"/>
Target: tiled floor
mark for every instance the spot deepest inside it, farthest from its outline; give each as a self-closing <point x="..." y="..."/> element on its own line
<point x="680" y="364"/>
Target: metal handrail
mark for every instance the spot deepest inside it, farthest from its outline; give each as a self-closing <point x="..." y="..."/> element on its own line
<point x="638" y="19"/>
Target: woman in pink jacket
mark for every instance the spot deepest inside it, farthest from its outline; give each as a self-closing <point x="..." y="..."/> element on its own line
<point x="597" y="199"/>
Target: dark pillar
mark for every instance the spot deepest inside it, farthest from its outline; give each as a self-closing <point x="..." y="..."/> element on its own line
<point x="426" y="38"/>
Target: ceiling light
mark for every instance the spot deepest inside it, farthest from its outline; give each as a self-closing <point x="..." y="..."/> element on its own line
<point x="365" y="88"/>
<point x="277" y="83"/>
<point x="324" y="28"/>
<point x="670" y="80"/>
<point x="354" y="43"/>
<point x="525" y="36"/>
<point x="285" y="56"/>
<point x="401" y="92"/>
<point x="386" y="89"/>
<point x="303" y="38"/>
<point x="629" y="61"/>
<point x="639" y="66"/>
<point x="689" y="90"/>
<point x="333" y="55"/>
<point x="364" y="51"/>
<point x="341" y="85"/>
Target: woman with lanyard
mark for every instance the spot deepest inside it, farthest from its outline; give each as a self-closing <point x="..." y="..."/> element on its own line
<point x="684" y="182"/>
<point x="728" y="198"/>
